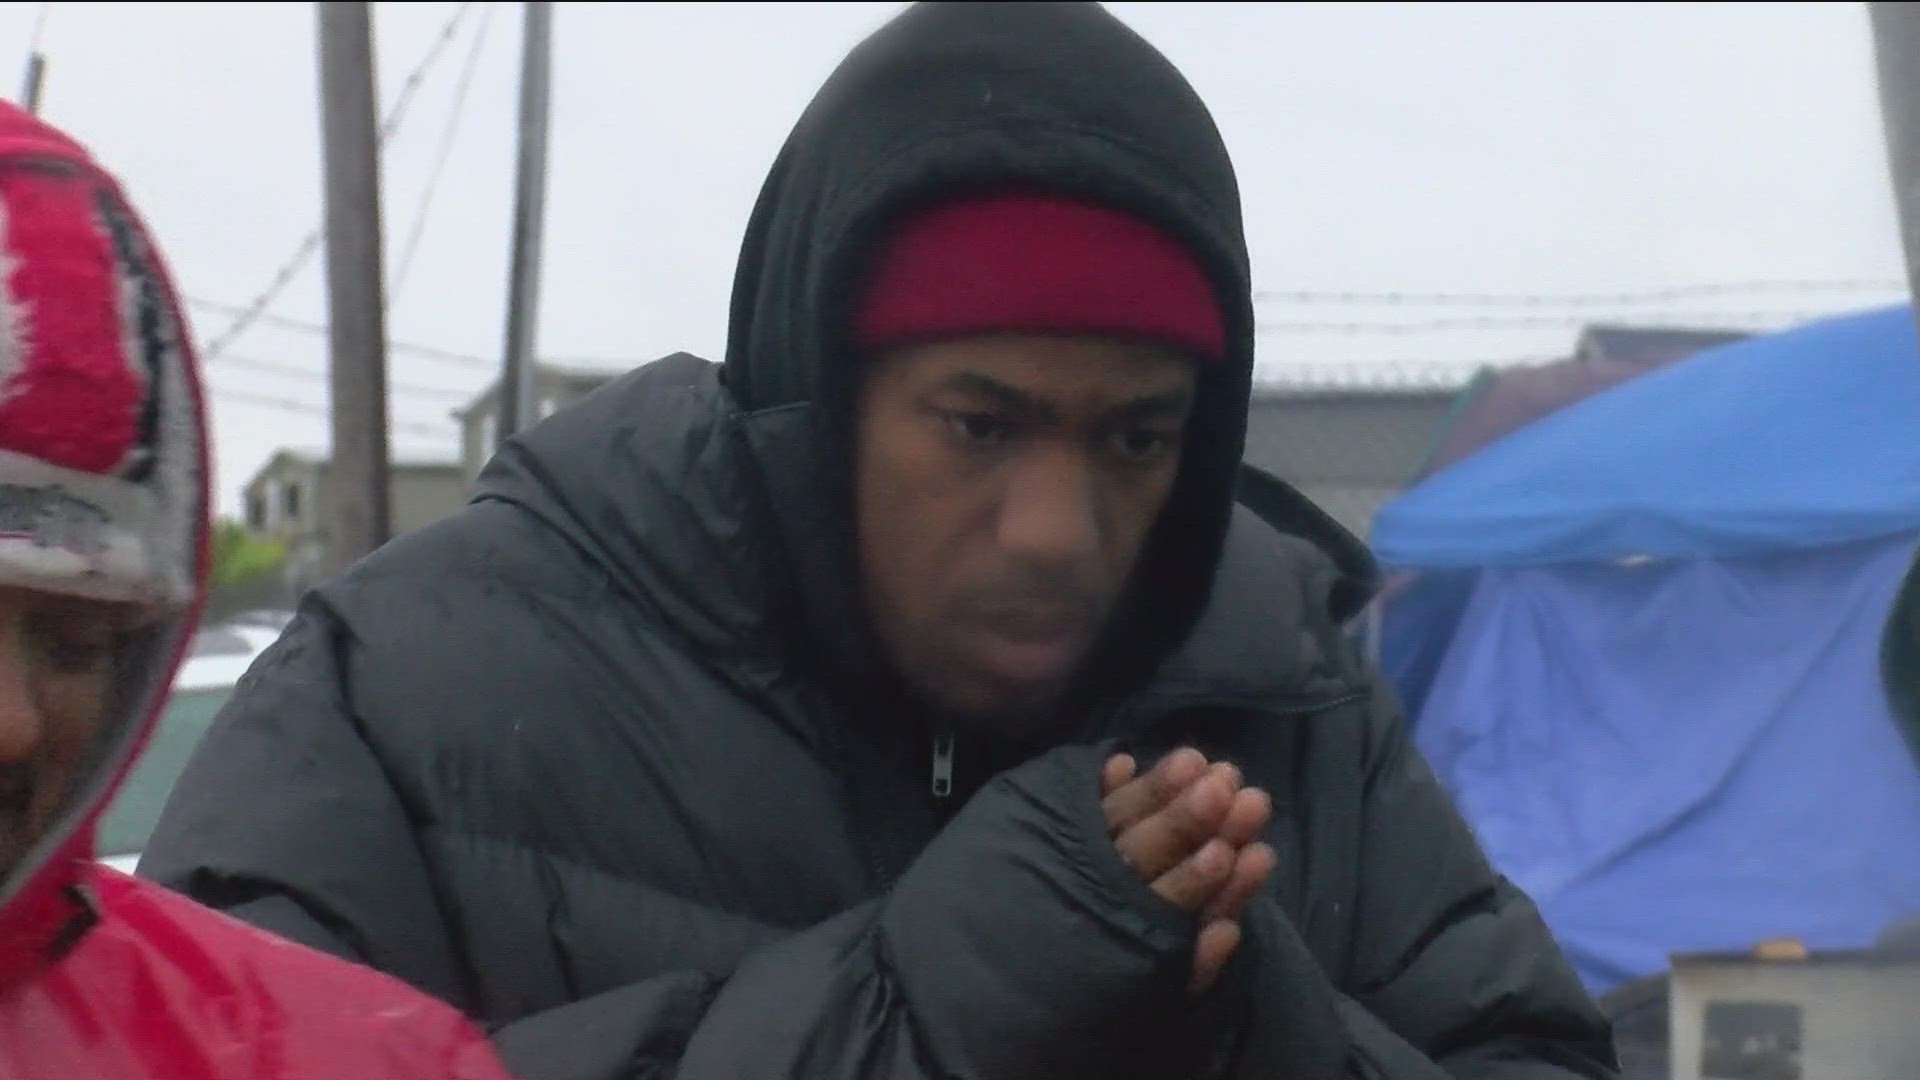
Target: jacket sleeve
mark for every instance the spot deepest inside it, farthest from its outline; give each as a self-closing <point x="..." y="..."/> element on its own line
<point x="1014" y="947"/>
<point x="1451" y="973"/>
<point x="285" y="819"/>
<point x="1018" y="944"/>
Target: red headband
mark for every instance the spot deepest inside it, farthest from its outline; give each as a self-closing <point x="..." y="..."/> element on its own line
<point x="1037" y="264"/>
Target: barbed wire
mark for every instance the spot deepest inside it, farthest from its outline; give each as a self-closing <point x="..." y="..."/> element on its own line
<point x="1285" y="380"/>
<point x="1658" y="294"/>
<point x="253" y="311"/>
<point x="1703" y="320"/>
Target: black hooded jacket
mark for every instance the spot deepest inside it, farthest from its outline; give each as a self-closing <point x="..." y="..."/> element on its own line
<point x="605" y="760"/>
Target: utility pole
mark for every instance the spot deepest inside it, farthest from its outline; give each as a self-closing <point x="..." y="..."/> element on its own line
<point x="517" y="375"/>
<point x="36" y="64"/>
<point x="36" y="78"/>
<point x="356" y="304"/>
<point x="1896" y="49"/>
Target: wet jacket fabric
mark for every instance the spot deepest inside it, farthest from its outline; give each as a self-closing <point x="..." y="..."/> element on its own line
<point x="102" y="975"/>
<point x="606" y="759"/>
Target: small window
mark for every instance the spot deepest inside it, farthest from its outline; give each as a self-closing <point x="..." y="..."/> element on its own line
<point x="290" y="502"/>
<point x="256" y="512"/>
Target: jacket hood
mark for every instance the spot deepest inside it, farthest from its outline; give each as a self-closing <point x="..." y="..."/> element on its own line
<point x="103" y="477"/>
<point x="947" y="100"/>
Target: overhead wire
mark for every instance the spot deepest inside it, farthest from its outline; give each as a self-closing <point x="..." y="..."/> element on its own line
<point x="253" y="311"/>
<point x="276" y="367"/>
<point x="462" y="87"/>
<point x="315" y="409"/>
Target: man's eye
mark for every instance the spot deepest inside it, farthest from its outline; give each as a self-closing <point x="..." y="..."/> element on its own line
<point x="982" y="429"/>
<point x="1146" y="443"/>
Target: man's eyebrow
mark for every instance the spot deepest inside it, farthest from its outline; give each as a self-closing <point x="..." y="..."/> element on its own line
<point x="1168" y="405"/>
<point x="1171" y="405"/>
<point x="1007" y="396"/>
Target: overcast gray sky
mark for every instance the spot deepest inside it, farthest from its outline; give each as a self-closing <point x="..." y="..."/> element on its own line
<point x="1546" y="148"/>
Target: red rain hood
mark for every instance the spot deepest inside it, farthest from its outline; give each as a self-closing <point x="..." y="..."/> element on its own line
<point x="103" y="469"/>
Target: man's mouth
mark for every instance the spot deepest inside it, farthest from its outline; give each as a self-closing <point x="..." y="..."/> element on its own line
<point x="1031" y="647"/>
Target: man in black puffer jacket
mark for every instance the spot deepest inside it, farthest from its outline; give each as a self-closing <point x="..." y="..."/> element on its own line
<point x="906" y="697"/>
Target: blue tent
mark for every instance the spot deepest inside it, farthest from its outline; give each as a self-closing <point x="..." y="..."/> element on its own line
<point x="1640" y="643"/>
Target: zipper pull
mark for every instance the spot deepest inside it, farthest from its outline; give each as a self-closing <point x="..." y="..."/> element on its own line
<point x="942" y="766"/>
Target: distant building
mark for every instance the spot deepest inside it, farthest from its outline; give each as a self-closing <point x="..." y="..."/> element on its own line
<point x="1649" y="345"/>
<point x="1500" y="401"/>
<point x="287" y="500"/>
<point x="555" y="387"/>
<point x="1350" y="445"/>
<point x="1353" y="441"/>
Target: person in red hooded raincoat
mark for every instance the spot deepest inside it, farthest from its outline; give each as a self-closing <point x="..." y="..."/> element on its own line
<point x="103" y="556"/>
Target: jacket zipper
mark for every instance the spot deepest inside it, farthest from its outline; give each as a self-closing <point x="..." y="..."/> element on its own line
<point x="942" y="766"/>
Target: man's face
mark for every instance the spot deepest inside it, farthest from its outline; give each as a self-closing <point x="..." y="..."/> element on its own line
<point x="1005" y="488"/>
<point x="56" y="678"/>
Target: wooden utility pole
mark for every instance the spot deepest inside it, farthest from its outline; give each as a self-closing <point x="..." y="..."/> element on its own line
<point x="36" y="64"/>
<point x="517" y="375"/>
<point x="356" y="308"/>
<point x="36" y="78"/>
<point x="1896" y="49"/>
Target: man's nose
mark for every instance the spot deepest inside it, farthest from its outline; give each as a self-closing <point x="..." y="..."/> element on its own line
<point x="1050" y="508"/>
<point x="20" y="720"/>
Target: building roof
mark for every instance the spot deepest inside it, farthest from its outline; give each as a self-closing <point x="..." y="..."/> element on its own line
<point x="407" y="460"/>
<point x="1650" y="344"/>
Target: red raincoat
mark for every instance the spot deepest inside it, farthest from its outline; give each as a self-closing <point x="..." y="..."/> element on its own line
<point x="102" y="976"/>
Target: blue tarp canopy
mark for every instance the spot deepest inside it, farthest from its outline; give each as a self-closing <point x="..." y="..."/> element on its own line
<point x="1640" y="644"/>
<point x="1795" y="440"/>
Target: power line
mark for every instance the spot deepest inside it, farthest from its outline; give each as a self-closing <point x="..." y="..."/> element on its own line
<point x="314" y="409"/>
<point x="310" y="326"/>
<point x="295" y="371"/>
<point x="441" y="155"/>
<point x="1660" y="294"/>
<point x="426" y="352"/>
<point x="252" y="311"/>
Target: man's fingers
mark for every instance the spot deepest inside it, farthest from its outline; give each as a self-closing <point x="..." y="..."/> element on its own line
<point x="1163" y="840"/>
<point x="1251" y="868"/>
<point x="1120" y="769"/>
<point x="1247" y="817"/>
<point x="1193" y="883"/>
<point x="1138" y="798"/>
<point x="1218" y="940"/>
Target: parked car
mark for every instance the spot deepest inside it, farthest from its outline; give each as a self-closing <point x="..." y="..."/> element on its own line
<point x="218" y="657"/>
